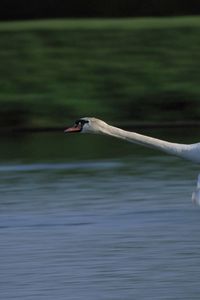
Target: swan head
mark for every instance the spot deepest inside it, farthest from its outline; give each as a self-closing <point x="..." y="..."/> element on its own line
<point x="87" y="125"/>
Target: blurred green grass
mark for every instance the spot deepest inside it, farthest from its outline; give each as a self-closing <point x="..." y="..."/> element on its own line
<point x="145" y="69"/>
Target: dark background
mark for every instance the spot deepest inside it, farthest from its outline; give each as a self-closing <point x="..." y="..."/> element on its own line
<point x="23" y="9"/>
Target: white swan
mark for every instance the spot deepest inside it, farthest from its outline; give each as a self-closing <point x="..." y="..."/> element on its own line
<point x="190" y="152"/>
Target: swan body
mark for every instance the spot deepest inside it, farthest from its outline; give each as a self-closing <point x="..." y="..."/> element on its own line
<point x="92" y="125"/>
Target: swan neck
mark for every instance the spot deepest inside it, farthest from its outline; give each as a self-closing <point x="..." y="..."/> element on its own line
<point x="133" y="137"/>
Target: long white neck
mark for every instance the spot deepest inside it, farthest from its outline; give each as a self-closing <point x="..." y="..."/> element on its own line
<point x="190" y="152"/>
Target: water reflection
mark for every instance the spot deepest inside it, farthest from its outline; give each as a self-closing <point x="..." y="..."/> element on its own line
<point x="78" y="220"/>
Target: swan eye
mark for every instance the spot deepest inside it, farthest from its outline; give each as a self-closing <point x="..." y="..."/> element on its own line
<point x="81" y="123"/>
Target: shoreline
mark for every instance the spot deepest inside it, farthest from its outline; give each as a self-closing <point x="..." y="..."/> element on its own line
<point x="126" y="126"/>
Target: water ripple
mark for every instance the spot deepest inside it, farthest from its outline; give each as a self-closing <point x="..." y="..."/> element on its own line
<point x="90" y="165"/>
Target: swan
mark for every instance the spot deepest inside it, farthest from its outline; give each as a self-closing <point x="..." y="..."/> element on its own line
<point x="189" y="152"/>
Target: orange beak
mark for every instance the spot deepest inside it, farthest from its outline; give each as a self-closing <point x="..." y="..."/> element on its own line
<point x="75" y="128"/>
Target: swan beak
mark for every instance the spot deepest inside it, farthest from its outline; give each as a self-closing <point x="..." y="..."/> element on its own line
<point x="75" y="128"/>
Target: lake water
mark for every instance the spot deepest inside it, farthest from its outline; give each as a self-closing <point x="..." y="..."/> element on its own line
<point x="89" y="217"/>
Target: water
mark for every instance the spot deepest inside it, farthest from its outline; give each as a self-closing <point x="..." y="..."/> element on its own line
<point x="85" y="217"/>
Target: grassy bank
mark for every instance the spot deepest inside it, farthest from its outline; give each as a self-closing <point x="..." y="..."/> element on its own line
<point x="129" y="70"/>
